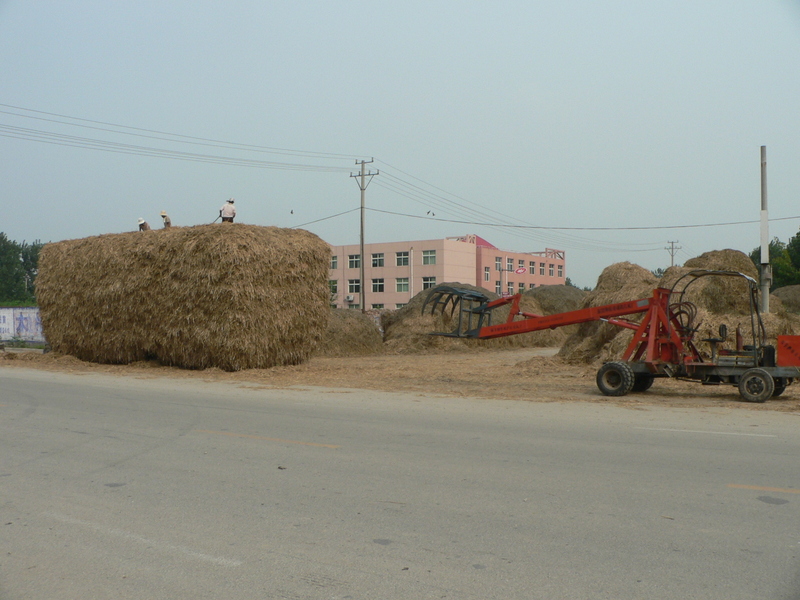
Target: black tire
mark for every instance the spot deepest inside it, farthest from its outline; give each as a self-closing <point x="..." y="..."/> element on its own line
<point x="615" y="379"/>
<point x="642" y="382"/>
<point x="756" y="385"/>
<point x="780" y="386"/>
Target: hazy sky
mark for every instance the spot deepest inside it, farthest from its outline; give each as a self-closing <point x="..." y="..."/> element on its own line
<point x="544" y="115"/>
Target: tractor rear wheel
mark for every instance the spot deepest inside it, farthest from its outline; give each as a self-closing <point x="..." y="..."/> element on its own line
<point x="615" y="379"/>
<point x="756" y="385"/>
<point x="642" y="382"/>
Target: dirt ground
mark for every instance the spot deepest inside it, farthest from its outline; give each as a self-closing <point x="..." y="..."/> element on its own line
<point x="529" y="375"/>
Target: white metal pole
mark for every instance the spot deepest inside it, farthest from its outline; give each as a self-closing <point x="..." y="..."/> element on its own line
<point x="766" y="271"/>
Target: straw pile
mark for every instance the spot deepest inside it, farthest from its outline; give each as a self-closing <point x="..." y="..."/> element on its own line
<point x="350" y="333"/>
<point x="407" y="330"/>
<point x="228" y="296"/>
<point x="718" y="300"/>
<point x="789" y="297"/>
<point x="619" y="282"/>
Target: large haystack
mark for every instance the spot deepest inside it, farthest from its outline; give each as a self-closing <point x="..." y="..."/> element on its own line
<point x="229" y="296"/>
<point x="350" y="333"/>
<point x="407" y="330"/>
<point x="718" y="300"/>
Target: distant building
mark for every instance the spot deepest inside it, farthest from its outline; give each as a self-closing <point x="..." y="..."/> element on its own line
<point x="396" y="271"/>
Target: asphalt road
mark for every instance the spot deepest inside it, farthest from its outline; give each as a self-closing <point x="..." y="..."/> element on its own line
<point x="116" y="487"/>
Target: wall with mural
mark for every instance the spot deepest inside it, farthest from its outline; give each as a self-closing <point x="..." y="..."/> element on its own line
<point x="21" y="323"/>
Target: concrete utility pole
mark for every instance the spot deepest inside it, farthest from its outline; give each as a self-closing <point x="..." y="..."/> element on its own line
<point x="672" y="249"/>
<point x="766" y="270"/>
<point x="363" y="187"/>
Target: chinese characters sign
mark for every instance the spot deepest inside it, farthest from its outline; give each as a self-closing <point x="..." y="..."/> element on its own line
<point x="21" y="323"/>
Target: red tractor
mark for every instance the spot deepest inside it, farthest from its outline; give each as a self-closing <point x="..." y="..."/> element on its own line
<point x="663" y="343"/>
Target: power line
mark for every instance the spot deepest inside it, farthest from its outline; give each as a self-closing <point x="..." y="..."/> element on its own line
<point x="181" y="137"/>
<point x="59" y="139"/>
<point x="325" y="218"/>
<point x="503" y="226"/>
<point x="548" y="227"/>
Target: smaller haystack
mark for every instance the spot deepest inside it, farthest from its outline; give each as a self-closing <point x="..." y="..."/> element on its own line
<point x="619" y="282"/>
<point x="231" y="296"/>
<point x="350" y="333"/>
<point x="789" y="296"/>
<point x="407" y="330"/>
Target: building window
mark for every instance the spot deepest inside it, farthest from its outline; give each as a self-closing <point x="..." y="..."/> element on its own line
<point x="533" y="285"/>
<point x="353" y="286"/>
<point x="428" y="282"/>
<point x="551" y="271"/>
<point x="532" y="267"/>
<point x="334" y="262"/>
<point x="498" y="288"/>
<point x="486" y="272"/>
<point x="401" y="284"/>
<point x="354" y="306"/>
<point x="498" y="263"/>
<point x="560" y="270"/>
<point x="399" y="305"/>
<point x="509" y="264"/>
<point x="333" y="285"/>
<point x="521" y="287"/>
<point x="541" y="268"/>
<point x="377" y="259"/>
<point x="521" y="264"/>
<point x="377" y="285"/>
<point x="511" y="288"/>
<point x="429" y="257"/>
<point x="402" y="259"/>
<point x="354" y="261"/>
<point x="377" y="307"/>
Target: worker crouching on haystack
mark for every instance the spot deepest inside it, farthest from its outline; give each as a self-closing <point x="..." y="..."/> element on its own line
<point x="228" y="211"/>
<point x="167" y="220"/>
<point x="143" y="225"/>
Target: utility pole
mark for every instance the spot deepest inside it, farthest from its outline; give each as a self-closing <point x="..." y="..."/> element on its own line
<point x="766" y="270"/>
<point x="363" y="187"/>
<point x="672" y="249"/>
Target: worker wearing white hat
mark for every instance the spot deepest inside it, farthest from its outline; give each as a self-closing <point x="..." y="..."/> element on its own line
<point x="167" y="220"/>
<point x="143" y="226"/>
<point x="228" y="211"/>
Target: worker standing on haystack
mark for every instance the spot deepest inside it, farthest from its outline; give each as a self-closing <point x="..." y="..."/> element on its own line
<point x="167" y="221"/>
<point x="228" y="211"/>
<point x="143" y="225"/>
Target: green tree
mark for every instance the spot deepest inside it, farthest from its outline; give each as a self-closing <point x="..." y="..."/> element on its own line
<point x="784" y="271"/>
<point x="793" y="250"/>
<point x="29" y="256"/>
<point x="12" y="275"/>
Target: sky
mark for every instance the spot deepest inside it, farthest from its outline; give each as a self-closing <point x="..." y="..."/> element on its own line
<point x="604" y="129"/>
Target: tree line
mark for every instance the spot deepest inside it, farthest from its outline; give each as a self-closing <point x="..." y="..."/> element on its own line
<point x="18" y="269"/>
<point x="785" y="261"/>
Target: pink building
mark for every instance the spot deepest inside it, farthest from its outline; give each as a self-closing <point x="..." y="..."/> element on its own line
<point x="396" y="271"/>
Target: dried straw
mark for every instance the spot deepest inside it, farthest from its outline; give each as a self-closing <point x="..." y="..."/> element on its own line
<point x="233" y="297"/>
<point x="350" y="333"/>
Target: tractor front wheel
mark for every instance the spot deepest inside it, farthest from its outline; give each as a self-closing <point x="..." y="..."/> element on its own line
<point x="756" y="385"/>
<point x="615" y="379"/>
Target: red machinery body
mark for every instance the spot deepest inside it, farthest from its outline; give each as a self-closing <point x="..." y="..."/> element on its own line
<point x="662" y="344"/>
